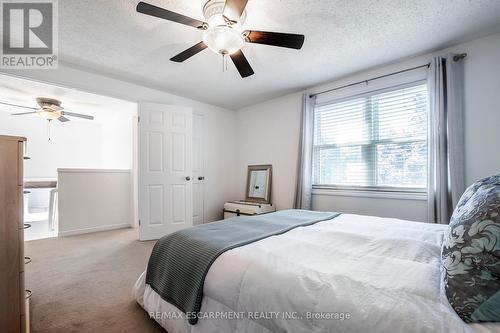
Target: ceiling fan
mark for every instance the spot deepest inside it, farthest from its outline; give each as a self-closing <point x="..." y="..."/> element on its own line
<point x="222" y="32"/>
<point x="49" y="109"/>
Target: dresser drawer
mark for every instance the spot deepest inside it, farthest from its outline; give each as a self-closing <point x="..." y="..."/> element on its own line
<point x="26" y="320"/>
<point x="22" y="293"/>
<point x="20" y="214"/>
<point x="23" y="323"/>
<point x="21" y="250"/>
<point x="20" y="166"/>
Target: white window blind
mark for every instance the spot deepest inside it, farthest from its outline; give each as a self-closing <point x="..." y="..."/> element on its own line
<point x="376" y="140"/>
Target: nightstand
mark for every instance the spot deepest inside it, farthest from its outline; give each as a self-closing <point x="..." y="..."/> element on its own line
<point x="245" y="208"/>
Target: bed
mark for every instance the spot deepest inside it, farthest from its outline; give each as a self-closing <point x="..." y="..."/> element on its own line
<point x="350" y="274"/>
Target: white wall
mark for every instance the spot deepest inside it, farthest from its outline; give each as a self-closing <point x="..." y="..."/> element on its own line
<point x="260" y="125"/>
<point x="75" y="144"/>
<point x="93" y="200"/>
<point x="219" y="124"/>
<point x="482" y="117"/>
<point x="72" y="145"/>
<point x="268" y="133"/>
<point x="105" y="142"/>
<point x="117" y="138"/>
<point x="413" y="210"/>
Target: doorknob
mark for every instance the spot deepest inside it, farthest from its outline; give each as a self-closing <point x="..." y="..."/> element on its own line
<point x="201" y="178"/>
<point x="188" y="178"/>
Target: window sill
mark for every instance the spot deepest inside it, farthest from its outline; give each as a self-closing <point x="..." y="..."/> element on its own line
<point x="370" y="194"/>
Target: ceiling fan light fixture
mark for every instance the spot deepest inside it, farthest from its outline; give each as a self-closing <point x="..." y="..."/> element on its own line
<point x="48" y="114"/>
<point x="223" y="40"/>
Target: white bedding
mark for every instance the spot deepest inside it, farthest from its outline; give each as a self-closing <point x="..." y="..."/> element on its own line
<point x="383" y="273"/>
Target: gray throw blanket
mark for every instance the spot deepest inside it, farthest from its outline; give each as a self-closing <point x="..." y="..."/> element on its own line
<point x="180" y="261"/>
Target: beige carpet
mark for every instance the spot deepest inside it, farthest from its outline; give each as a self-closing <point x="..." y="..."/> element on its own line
<point x="84" y="283"/>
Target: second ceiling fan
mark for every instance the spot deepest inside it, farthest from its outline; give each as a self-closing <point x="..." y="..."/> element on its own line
<point x="223" y="33"/>
<point x="49" y="109"/>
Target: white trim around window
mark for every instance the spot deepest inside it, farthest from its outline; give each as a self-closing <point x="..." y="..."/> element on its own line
<point x="331" y="139"/>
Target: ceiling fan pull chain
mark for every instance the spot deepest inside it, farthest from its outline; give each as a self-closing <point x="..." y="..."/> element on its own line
<point x="48" y="129"/>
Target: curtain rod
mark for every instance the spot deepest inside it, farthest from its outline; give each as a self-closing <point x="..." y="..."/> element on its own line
<point x="457" y="57"/>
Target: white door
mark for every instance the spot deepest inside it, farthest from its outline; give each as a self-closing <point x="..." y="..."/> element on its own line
<point x="198" y="170"/>
<point x="165" y="170"/>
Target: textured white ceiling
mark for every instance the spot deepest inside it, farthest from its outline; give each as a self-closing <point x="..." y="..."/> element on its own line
<point x="342" y="36"/>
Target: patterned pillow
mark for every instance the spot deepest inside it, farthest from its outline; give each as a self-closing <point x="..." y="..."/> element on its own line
<point x="471" y="253"/>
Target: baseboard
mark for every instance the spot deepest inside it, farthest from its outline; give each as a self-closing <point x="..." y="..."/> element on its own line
<point x="93" y="229"/>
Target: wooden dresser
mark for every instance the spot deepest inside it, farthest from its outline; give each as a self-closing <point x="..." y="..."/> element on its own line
<point x="13" y="303"/>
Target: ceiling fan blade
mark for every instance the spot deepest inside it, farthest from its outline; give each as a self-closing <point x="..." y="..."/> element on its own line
<point x="241" y="63"/>
<point x="292" y="41"/>
<point x="63" y="119"/>
<point x="148" y="9"/>
<point x="19" y="106"/>
<point x="233" y="9"/>
<point x="77" y="115"/>
<point x="23" y="113"/>
<point x="189" y="52"/>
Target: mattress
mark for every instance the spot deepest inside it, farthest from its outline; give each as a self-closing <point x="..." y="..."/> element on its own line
<point x="351" y="274"/>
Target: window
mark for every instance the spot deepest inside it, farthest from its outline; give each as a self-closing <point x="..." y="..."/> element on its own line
<point x="373" y="141"/>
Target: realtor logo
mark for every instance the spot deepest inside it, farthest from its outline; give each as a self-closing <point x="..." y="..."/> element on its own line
<point x="29" y="34"/>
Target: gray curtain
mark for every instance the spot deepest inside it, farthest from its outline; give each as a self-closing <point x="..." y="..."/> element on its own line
<point x="446" y="138"/>
<point x="303" y="195"/>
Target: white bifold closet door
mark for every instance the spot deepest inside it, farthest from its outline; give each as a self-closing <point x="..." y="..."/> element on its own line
<point x="198" y="170"/>
<point x="165" y="169"/>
